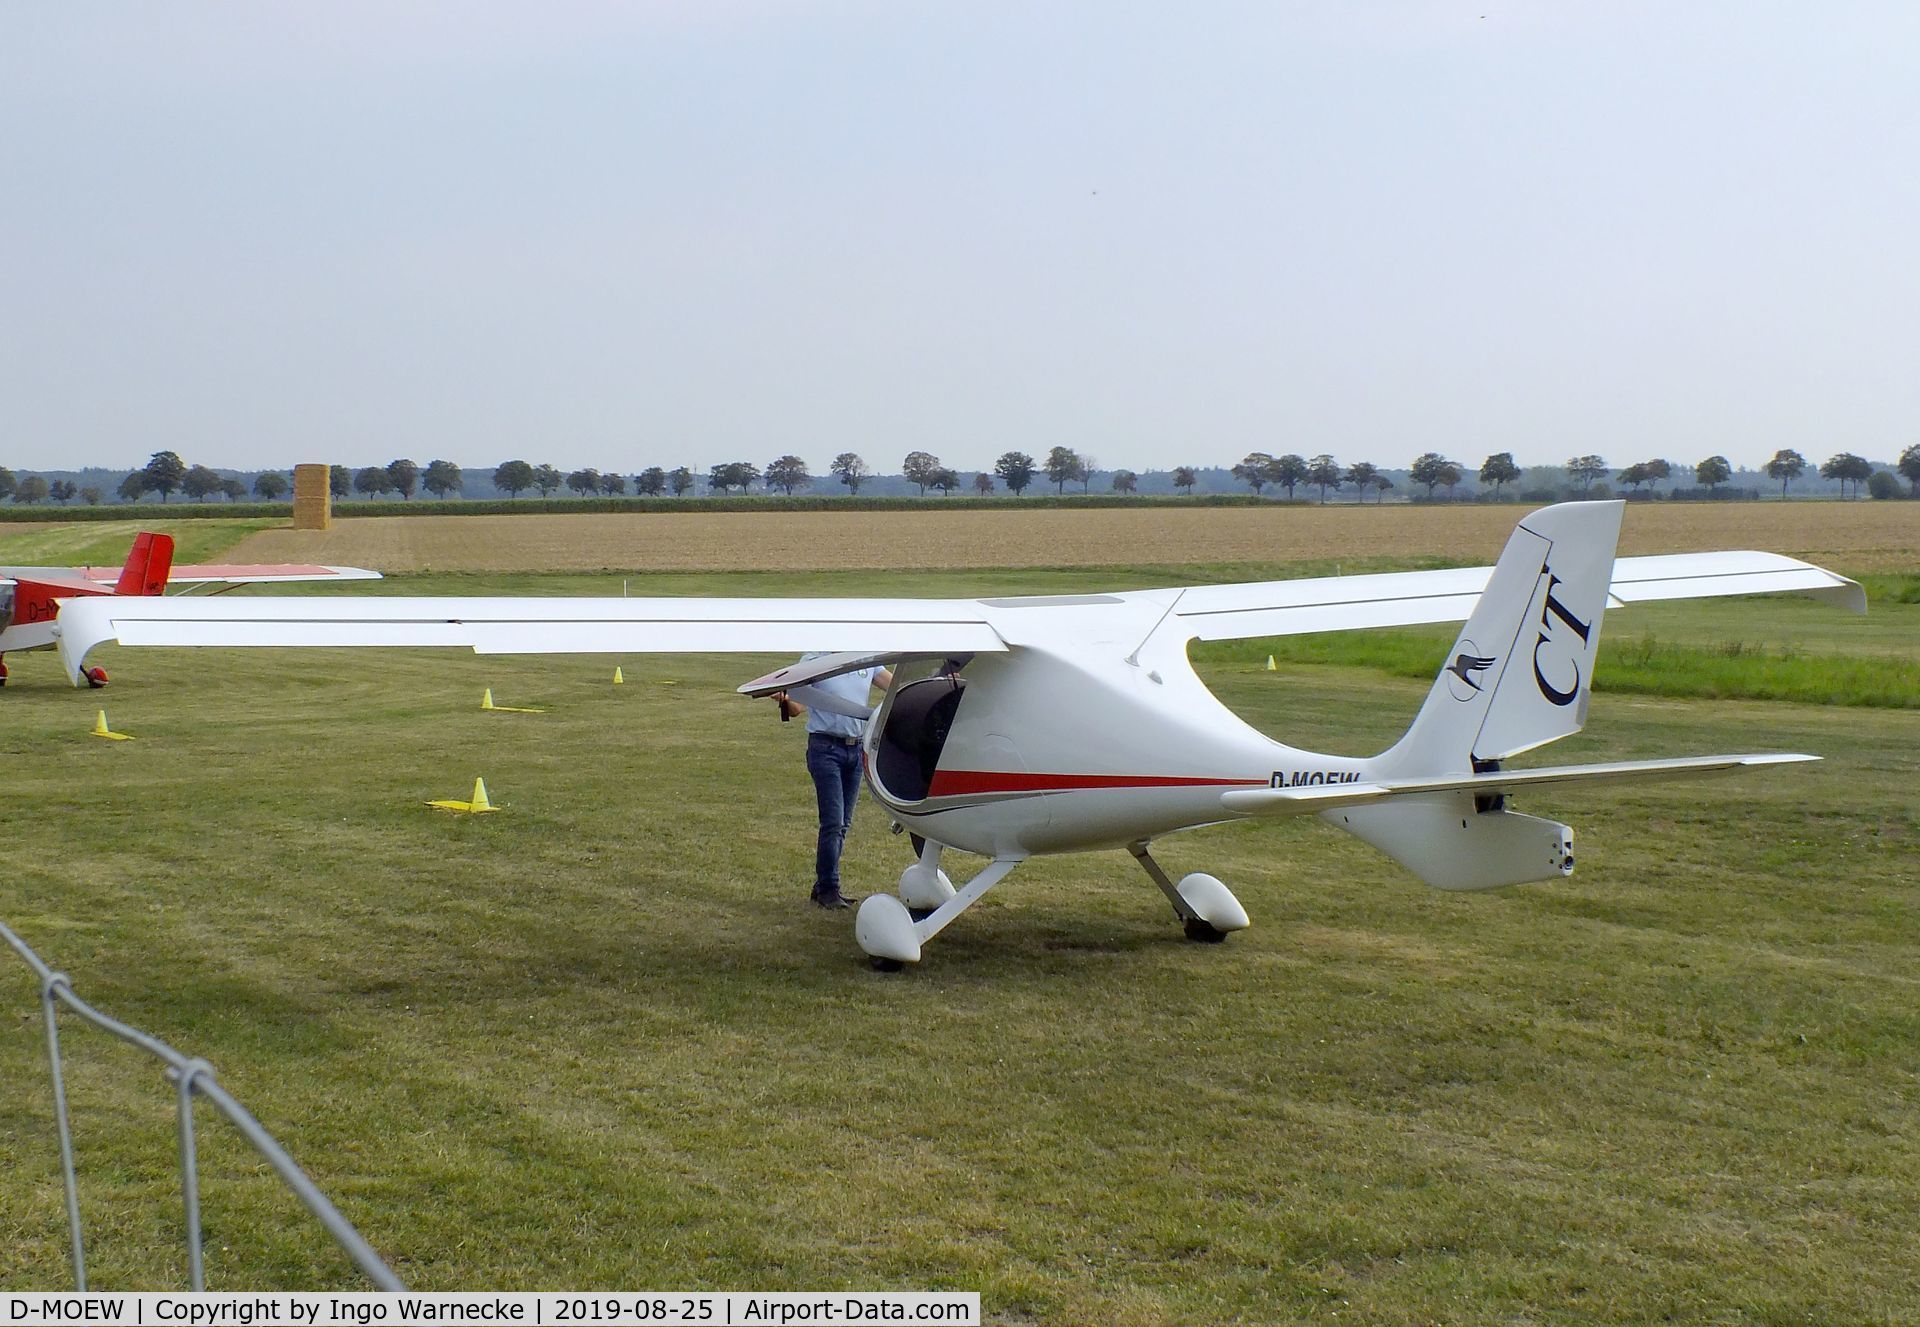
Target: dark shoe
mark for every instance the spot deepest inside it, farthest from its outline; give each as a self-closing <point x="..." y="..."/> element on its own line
<point x="831" y="899"/>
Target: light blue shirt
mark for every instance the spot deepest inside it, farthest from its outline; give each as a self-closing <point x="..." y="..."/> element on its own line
<point x="851" y="687"/>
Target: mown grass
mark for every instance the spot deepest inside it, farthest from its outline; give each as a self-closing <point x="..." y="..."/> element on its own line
<point x="1892" y="589"/>
<point x="598" y="1040"/>
<point x="104" y="543"/>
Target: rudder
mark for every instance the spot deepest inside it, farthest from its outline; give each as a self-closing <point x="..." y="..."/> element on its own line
<point x="148" y="564"/>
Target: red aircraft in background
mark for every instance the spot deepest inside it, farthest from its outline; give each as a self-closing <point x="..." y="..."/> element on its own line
<point x="29" y="595"/>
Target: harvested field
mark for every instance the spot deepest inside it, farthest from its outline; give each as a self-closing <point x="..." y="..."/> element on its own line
<point x="1876" y="536"/>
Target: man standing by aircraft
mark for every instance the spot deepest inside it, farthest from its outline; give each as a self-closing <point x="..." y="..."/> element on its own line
<point x="833" y="759"/>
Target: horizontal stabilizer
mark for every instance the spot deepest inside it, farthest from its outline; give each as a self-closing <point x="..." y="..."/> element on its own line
<point x="1310" y="800"/>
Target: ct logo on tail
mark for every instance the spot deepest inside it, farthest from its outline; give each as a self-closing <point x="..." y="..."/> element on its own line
<point x="1555" y="610"/>
<point x="1465" y="664"/>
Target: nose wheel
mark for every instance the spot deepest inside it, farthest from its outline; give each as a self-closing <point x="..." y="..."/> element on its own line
<point x="924" y="886"/>
<point x="892" y="929"/>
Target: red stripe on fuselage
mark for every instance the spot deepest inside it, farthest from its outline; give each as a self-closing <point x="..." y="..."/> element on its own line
<point x="961" y="782"/>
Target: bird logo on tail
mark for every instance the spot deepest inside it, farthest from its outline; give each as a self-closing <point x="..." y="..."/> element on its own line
<point x="1464" y="666"/>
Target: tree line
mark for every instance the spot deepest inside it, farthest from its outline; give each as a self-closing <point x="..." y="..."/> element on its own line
<point x="1258" y="470"/>
<point x="166" y="473"/>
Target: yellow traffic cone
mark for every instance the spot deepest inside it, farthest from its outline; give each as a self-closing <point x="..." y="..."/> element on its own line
<point x="618" y="680"/>
<point x="478" y="806"/>
<point x="100" y="729"/>
<point x="486" y="703"/>
<point x="486" y="699"/>
<point x="1271" y="666"/>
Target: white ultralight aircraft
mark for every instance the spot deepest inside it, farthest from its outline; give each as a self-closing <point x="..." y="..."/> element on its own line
<point x="1065" y="723"/>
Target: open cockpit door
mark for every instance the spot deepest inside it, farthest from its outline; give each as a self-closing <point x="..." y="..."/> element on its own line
<point x="914" y="725"/>
<point x="820" y="667"/>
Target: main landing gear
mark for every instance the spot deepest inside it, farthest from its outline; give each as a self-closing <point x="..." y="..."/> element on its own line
<point x="1206" y="908"/>
<point x="892" y="929"/>
<point x="96" y="677"/>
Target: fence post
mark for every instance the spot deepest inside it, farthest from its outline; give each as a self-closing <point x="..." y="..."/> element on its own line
<point x="190" y="1167"/>
<point x="189" y="1076"/>
<point x="50" y="1008"/>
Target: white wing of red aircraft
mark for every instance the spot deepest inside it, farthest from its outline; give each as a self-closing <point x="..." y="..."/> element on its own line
<point x="1065" y="723"/>
<point x="30" y="596"/>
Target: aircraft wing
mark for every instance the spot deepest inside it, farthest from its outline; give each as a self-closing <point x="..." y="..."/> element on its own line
<point x="861" y="632"/>
<point x="1410" y="598"/>
<point x="58" y="578"/>
<point x="872" y="628"/>
<point x="215" y="573"/>
<point x="91" y="580"/>
<point x="239" y="573"/>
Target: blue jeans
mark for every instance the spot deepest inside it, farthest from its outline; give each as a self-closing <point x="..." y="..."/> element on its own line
<point x="835" y="768"/>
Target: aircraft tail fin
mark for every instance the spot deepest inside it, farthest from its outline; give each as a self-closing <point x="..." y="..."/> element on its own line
<point x="1520" y="673"/>
<point x="148" y="564"/>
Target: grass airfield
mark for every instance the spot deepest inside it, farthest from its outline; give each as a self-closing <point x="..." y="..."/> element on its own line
<point x="599" y="1040"/>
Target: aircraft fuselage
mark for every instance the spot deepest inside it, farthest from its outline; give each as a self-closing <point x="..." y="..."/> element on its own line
<point x="1048" y="750"/>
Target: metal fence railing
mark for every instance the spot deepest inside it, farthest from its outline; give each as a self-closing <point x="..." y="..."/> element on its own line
<point x="190" y="1077"/>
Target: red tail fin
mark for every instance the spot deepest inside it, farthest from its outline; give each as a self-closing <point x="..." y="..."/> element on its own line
<point x="147" y="565"/>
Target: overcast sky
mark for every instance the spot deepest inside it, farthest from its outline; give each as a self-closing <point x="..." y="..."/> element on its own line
<point x="625" y="234"/>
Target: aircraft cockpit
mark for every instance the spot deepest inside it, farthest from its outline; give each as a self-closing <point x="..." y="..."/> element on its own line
<point x="919" y="714"/>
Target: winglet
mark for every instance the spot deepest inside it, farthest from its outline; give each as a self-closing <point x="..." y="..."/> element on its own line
<point x="83" y="623"/>
<point x="148" y="563"/>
